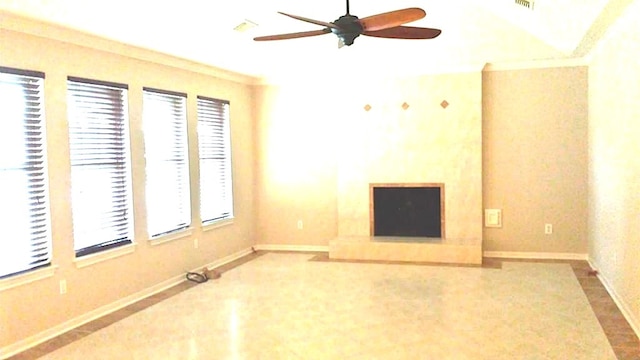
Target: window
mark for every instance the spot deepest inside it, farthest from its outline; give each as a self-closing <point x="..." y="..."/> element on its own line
<point x="100" y="165"/>
<point x="167" y="156"/>
<point x="216" y="196"/>
<point x="24" y="208"/>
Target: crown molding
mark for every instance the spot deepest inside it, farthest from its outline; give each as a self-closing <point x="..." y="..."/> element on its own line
<point x="26" y="25"/>
<point x="536" y="64"/>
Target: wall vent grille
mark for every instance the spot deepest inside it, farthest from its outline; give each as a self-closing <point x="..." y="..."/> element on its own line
<point x="525" y="3"/>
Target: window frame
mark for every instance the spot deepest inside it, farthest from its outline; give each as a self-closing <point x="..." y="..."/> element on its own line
<point x="122" y="167"/>
<point x="224" y="117"/>
<point x="184" y="216"/>
<point x="33" y="165"/>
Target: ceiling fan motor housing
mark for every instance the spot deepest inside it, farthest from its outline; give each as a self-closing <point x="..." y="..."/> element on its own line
<point x="349" y="28"/>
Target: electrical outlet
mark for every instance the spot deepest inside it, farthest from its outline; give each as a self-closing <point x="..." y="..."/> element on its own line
<point x="195" y="243"/>
<point x="300" y="225"/>
<point x="63" y="287"/>
<point x="548" y="229"/>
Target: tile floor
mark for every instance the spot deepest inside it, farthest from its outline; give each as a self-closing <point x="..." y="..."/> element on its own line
<point x="284" y="306"/>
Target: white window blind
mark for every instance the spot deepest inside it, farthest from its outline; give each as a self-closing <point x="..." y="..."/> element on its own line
<point x="100" y="165"/>
<point x="167" y="161"/>
<point x="216" y="196"/>
<point x="24" y="198"/>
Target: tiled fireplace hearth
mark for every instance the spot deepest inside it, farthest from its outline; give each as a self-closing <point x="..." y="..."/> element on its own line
<point x="386" y="248"/>
<point x="407" y="223"/>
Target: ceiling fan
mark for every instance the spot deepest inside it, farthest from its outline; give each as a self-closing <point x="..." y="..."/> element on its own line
<point x="348" y="27"/>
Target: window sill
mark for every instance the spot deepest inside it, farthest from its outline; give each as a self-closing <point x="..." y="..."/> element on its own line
<point x="171" y="237"/>
<point x="92" y="259"/>
<point x="27" y="277"/>
<point x="217" y="224"/>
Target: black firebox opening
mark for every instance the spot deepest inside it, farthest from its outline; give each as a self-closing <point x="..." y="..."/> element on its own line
<point x="407" y="211"/>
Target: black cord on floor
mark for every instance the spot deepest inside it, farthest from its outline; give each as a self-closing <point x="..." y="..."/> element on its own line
<point x="196" y="277"/>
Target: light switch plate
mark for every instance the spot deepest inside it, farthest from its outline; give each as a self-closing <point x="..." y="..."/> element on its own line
<point x="493" y="218"/>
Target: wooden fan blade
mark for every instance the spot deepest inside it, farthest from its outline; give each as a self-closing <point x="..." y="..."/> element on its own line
<point x="317" y="22"/>
<point x="293" y="35"/>
<point x="391" y="19"/>
<point x="405" y="32"/>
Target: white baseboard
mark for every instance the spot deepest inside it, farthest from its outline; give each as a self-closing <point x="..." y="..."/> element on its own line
<point x="276" y="247"/>
<point x="622" y="305"/>
<point x="228" y="259"/>
<point x="57" y="330"/>
<point x="535" y="255"/>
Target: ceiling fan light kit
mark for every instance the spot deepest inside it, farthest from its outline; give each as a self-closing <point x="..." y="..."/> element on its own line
<point x="348" y="27"/>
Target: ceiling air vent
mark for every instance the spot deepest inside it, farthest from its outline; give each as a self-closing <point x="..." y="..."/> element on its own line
<point x="245" y="25"/>
<point x="525" y="3"/>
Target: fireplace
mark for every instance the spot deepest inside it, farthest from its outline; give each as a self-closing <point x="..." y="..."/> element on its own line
<point x="407" y="210"/>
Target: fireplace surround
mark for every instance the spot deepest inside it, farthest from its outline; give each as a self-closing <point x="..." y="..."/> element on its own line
<point x="423" y="144"/>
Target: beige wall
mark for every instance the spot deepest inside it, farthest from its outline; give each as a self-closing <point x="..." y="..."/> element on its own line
<point x="296" y="129"/>
<point x="28" y="309"/>
<point x="318" y="150"/>
<point x="614" y="160"/>
<point x="535" y="158"/>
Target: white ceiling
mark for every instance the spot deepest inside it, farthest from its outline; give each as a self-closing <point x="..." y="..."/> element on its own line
<point x="473" y="32"/>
